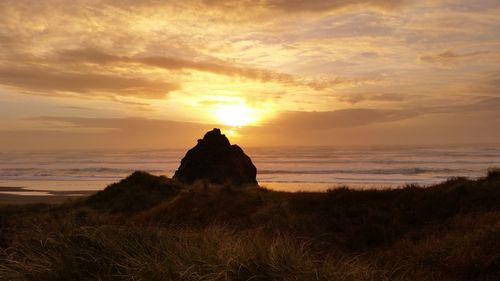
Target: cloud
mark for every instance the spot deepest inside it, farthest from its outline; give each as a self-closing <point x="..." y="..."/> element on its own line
<point x="326" y="5"/>
<point x="121" y="125"/>
<point x="216" y="67"/>
<point x="383" y="97"/>
<point x="41" y="80"/>
<point x="298" y="120"/>
<point x="210" y="102"/>
<point x="7" y="41"/>
<point x="343" y="118"/>
<point x="286" y="121"/>
<point x="297" y="6"/>
<point x="356" y="117"/>
<point x="450" y="57"/>
<point x="65" y="132"/>
<point x="483" y="105"/>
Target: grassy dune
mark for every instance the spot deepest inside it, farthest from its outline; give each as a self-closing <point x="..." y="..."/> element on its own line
<point x="153" y="228"/>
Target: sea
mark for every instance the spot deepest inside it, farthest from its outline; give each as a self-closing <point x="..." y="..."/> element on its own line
<point x="286" y="169"/>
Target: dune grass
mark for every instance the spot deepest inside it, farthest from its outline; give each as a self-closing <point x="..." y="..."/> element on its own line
<point x="155" y="253"/>
<point x="152" y="228"/>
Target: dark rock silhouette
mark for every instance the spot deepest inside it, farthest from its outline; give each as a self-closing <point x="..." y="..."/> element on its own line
<point x="215" y="160"/>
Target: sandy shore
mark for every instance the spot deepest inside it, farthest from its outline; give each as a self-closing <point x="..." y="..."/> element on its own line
<point x="17" y="195"/>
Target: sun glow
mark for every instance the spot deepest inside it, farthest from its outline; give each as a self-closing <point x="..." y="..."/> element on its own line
<point x="235" y="115"/>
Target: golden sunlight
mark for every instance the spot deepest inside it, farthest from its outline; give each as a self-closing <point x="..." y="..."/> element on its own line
<point x="235" y="115"/>
<point x="232" y="133"/>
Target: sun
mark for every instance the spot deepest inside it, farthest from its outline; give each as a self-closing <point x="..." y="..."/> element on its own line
<point x="235" y="115"/>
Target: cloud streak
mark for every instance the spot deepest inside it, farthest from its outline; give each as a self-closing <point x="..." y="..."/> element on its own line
<point x="449" y="57"/>
<point x="48" y="81"/>
<point x="215" y="67"/>
<point x="326" y="5"/>
<point x="344" y="118"/>
<point x="355" y="98"/>
<point x="311" y="6"/>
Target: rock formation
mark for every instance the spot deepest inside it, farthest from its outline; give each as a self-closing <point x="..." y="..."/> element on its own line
<point x="215" y="160"/>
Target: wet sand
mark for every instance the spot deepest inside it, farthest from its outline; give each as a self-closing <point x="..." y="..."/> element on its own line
<point x="11" y="195"/>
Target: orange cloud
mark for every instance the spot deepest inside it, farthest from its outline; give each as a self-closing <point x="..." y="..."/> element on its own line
<point x="449" y="57"/>
<point x="38" y="80"/>
<point x="215" y="67"/>
<point x="325" y="5"/>
<point x="295" y="6"/>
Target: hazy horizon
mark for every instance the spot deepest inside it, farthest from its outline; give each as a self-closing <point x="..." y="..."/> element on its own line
<point x="184" y="146"/>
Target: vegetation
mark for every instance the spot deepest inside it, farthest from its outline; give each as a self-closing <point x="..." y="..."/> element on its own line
<point x="153" y="228"/>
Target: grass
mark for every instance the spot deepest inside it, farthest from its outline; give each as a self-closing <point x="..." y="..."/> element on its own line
<point x="155" y="253"/>
<point x="153" y="228"/>
<point x="142" y="191"/>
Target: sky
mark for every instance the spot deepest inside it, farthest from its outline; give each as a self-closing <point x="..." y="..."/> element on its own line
<point x="151" y="74"/>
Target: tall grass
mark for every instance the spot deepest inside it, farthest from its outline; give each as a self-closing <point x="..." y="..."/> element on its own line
<point x="157" y="253"/>
<point x="152" y="228"/>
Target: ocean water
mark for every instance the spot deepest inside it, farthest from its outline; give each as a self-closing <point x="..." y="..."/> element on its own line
<point x="298" y="168"/>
